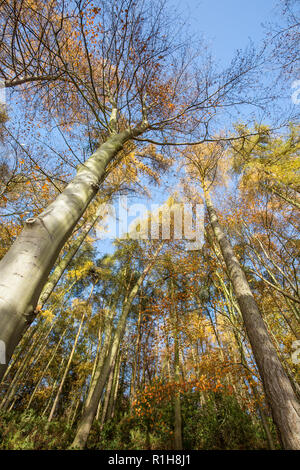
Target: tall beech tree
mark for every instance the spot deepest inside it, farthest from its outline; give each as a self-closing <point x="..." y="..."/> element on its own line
<point x="114" y="67"/>
<point x="159" y="344"/>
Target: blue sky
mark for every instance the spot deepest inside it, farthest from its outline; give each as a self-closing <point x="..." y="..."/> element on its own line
<point x="227" y="25"/>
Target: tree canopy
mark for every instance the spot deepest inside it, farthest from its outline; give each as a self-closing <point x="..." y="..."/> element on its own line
<point x="182" y="332"/>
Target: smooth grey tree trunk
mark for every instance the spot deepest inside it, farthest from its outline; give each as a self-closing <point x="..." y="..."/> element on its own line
<point x="278" y="388"/>
<point x="25" y="267"/>
<point x="108" y="392"/>
<point x="115" y="388"/>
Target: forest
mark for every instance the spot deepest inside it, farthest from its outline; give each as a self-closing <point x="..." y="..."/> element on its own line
<point x="181" y="329"/>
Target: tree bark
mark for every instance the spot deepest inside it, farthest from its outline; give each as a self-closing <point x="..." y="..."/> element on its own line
<point x="115" y="388"/>
<point x="135" y="364"/>
<point x="108" y="392"/>
<point x="279" y="391"/>
<point x="26" y="266"/>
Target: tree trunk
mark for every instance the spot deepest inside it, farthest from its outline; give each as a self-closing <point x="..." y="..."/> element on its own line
<point x="22" y="347"/>
<point x="26" y="266"/>
<point x="30" y="355"/>
<point x="108" y="392"/>
<point x="177" y="405"/>
<point x="279" y="391"/>
<point x="46" y="369"/>
<point x="96" y="393"/>
<point x="53" y="387"/>
<point x="114" y="392"/>
<point x="135" y="364"/>
<point x="101" y="357"/>
<point x="54" y="406"/>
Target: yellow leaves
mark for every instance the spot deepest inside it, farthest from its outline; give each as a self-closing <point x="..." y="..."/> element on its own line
<point x="266" y="158"/>
<point x="207" y="163"/>
<point x="48" y="315"/>
<point x="80" y="271"/>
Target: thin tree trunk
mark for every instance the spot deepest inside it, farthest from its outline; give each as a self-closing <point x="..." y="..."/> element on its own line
<point x="96" y="393"/>
<point x="136" y="359"/>
<point x="263" y="418"/>
<point x="62" y="382"/>
<point x="72" y="418"/>
<point x="99" y="408"/>
<point x="273" y="190"/>
<point x="108" y="392"/>
<point x="177" y="405"/>
<point x="101" y="358"/>
<point x="46" y="368"/>
<point x="53" y="387"/>
<point x="23" y="345"/>
<point x="114" y="393"/>
<point x="23" y="367"/>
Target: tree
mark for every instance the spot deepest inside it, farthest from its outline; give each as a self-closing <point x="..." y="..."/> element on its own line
<point x="277" y="385"/>
<point x="108" y="67"/>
